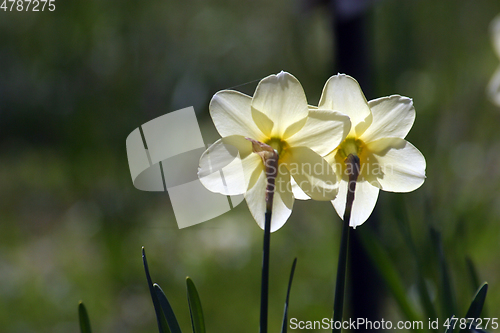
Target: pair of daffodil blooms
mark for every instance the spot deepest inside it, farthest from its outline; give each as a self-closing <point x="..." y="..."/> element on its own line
<point x="312" y="144"/>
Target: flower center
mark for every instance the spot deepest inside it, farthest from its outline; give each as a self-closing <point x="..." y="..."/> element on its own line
<point x="350" y="146"/>
<point x="277" y="144"/>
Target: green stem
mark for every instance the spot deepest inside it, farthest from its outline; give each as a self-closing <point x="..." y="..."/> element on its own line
<point x="352" y="162"/>
<point x="264" y="292"/>
<point x="270" y="159"/>
<point x="338" y="307"/>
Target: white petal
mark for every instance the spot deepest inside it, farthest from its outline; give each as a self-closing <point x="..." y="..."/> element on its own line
<point x="312" y="173"/>
<point x="402" y="166"/>
<point x="323" y="131"/>
<point x="223" y="170"/>
<point x="282" y="202"/>
<point x="279" y="101"/>
<point x="393" y="116"/>
<point x="232" y="115"/>
<point x="342" y="93"/>
<point x="495" y="34"/>
<point x="297" y="191"/>
<point x="494" y="87"/>
<point x="365" y="198"/>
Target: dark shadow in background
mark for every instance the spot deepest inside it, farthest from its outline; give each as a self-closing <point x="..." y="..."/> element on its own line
<point x="352" y="51"/>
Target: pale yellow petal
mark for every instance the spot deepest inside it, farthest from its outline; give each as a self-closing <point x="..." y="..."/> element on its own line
<point x="279" y="101"/>
<point x="401" y="165"/>
<point x="342" y="93"/>
<point x="232" y="115"/>
<point x="495" y="34"/>
<point x="365" y="198"/>
<point x="494" y="87"/>
<point x="323" y="131"/>
<point x="223" y="170"/>
<point x="393" y="116"/>
<point x="297" y="191"/>
<point x="311" y="172"/>
<point x="282" y="203"/>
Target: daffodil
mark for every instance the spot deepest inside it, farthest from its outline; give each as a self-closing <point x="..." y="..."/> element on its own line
<point x="494" y="85"/>
<point x="386" y="160"/>
<point x="277" y="116"/>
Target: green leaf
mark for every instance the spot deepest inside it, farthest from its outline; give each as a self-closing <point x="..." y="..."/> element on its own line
<point x="450" y="326"/>
<point x="160" y="317"/>
<point x="84" y="319"/>
<point x="478" y="302"/>
<point x="424" y="294"/>
<point x="475" y="281"/>
<point x="195" y="309"/>
<point x="167" y="310"/>
<point x="447" y="296"/>
<point x="285" y="315"/>
<point x="425" y="297"/>
<point x="476" y="307"/>
<point x="386" y="269"/>
<point x="472" y="273"/>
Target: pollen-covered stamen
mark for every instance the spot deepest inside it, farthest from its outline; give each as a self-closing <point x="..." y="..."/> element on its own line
<point x="270" y="158"/>
<point x="350" y="146"/>
<point x="277" y="144"/>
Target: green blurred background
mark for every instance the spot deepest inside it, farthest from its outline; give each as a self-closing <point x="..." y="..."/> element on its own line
<point x="75" y="82"/>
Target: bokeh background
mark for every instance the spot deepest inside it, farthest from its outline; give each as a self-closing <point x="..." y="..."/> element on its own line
<point x="76" y="81"/>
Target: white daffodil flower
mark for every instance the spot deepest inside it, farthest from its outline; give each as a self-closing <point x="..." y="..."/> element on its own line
<point x="278" y="116"/>
<point x="494" y="84"/>
<point x="387" y="161"/>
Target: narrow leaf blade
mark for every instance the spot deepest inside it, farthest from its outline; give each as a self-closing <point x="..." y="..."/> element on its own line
<point x="450" y="328"/>
<point x="284" y="326"/>
<point x="475" y="281"/>
<point x="476" y="307"/>
<point x="84" y="319"/>
<point x="172" y="322"/>
<point x="472" y="273"/>
<point x="447" y="296"/>
<point x="477" y="304"/>
<point x="423" y="290"/>
<point x="195" y="309"/>
<point x="387" y="270"/>
<point x="160" y="317"/>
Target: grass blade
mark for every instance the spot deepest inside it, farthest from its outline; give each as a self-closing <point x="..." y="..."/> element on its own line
<point x="172" y="322"/>
<point x="84" y="319"/>
<point x="448" y="297"/>
<point x="476" y="307"/>
<point x="450" y="327"/>
<point x="478" y="302"/>
<point x="285" y="315"/>
<point x="388" y="272"/>
<point x="195" y="309"/>
<point x="472" y="273"/>
<point x="423" y="291"/>
<point x="475" y="281"/>
<point x="425" y="297"/>
<point x="160" y="317"/>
